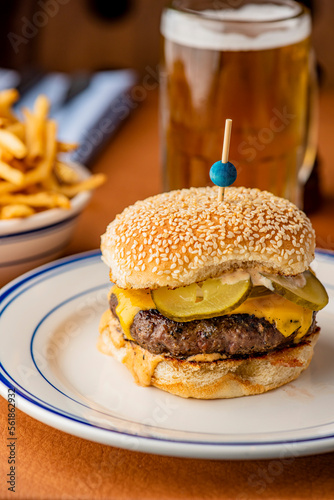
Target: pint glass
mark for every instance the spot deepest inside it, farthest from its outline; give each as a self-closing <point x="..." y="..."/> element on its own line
<point x="250" y="61"/>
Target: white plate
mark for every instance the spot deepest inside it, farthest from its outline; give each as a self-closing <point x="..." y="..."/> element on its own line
<point x="49" y="330"/>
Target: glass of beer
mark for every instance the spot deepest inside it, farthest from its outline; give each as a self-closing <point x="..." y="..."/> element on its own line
<point x="250" y="61"/>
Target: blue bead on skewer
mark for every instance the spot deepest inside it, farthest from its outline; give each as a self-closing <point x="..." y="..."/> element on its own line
<point x="223" y="174"/>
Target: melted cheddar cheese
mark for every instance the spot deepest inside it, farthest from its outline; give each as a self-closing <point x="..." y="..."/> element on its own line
<point x="286" y="315"/>
<point x="130" y="302"/>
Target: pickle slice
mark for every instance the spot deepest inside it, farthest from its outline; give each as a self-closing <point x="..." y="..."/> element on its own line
<point x="259" y="291"/>
<point x="201" y="300"/>
<point x="311" y="296"/>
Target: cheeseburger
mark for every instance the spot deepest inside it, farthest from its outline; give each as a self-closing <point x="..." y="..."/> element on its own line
<point x="211" y="299"/>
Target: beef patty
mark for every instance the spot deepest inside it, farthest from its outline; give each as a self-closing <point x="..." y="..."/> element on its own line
<point x="235" y="335"/>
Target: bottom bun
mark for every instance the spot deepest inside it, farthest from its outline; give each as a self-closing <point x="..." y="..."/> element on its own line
<point x="222" y="378"/>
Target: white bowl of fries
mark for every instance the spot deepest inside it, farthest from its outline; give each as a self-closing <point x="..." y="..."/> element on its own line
<point x="41" y="194"/>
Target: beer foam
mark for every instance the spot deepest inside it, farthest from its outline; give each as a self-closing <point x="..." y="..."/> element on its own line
<point x="207" y="30"/>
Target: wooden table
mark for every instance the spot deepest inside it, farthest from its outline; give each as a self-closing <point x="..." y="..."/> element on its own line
<point x="54" y="465"/>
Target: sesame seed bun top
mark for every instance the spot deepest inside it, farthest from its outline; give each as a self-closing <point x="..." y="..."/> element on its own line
<point x="184" y="236"/>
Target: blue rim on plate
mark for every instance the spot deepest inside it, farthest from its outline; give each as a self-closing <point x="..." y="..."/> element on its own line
<point x="140" y="437"/>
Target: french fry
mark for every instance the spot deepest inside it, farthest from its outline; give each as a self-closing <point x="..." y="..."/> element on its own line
<point x="35" y="128"/>
<point x="13" y="144"/>
<point x="50" y="183"/>
<point x="18" y="129"/>
<point x="7" y="98"/>
<point x="50" y="147"/>
<point x="34" y="135"/>
<point x="5" y="122"/>
<point x="6" y="156"/>
<point x="91" y="183"/>
<point x="7" y="187"/>
<point x="15" y="211"/>
<point x="43" y="199"/>
<point x="65" y="174"/>
<point x="45" y="165"/>
<point x="42" y="107"/>
<point x="66" y="147"/>
<point x="11" y="174"/>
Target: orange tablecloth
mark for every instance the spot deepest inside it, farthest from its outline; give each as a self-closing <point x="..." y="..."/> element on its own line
<point x="54" y="465"/>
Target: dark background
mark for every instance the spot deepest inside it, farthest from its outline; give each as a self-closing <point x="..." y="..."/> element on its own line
<point x="71" y="35"/>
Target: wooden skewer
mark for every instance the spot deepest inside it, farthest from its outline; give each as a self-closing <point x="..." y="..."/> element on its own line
<point x="225" y="153"/>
